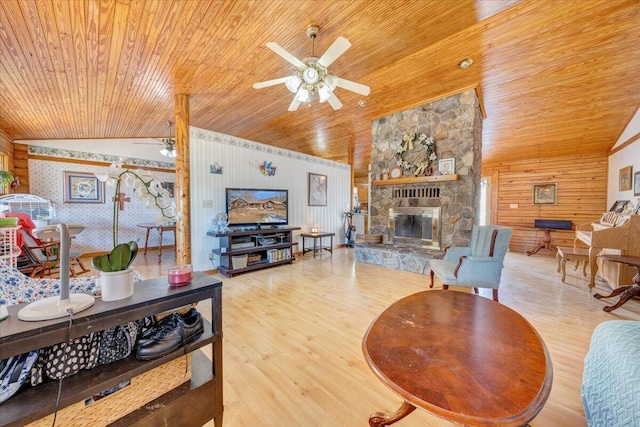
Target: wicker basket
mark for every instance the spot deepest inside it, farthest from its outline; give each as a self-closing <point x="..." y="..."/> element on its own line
<point x="143" y="389"/>
<point x="239" y="261"/>
<point x="373" y="238"/>
<point x="254" y="258"/>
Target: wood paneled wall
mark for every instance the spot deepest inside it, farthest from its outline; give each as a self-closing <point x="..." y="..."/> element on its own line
<point x="21" y="167"/>
<point x="581" y="196"/>
<point x="6" y="147"/>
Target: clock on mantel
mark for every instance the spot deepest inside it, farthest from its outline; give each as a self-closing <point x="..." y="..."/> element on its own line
<point x="395" y="172"/>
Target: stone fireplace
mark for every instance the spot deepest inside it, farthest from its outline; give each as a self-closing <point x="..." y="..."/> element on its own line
<point x="419" y="226"/>
<point x="455" y="123"/>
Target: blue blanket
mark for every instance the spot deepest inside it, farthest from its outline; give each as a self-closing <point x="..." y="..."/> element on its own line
<point x="611" y="379"/>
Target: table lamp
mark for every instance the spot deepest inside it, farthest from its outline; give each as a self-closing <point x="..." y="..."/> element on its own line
<point x="314" y="229"/>
<point x="58" y="306"/>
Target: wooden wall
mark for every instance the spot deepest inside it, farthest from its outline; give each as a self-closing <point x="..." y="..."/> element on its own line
<point x="581" y="196"/>
<point x="6" y="147"/>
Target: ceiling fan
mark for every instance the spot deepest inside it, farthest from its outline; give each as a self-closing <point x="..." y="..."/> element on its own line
<point x="169" y="149"/>
<point x="312" y="81"/>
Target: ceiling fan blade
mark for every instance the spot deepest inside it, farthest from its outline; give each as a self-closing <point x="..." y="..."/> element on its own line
<point x="286" y="55"/>
<point x="268" y="83"/>
<point x="334" y="102"/>
<point x="294" y="104"/>
<point x="335" y="50"/>
<point x="352" y="86"/>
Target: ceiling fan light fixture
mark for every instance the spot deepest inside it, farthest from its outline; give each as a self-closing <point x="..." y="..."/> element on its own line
<point x="168" y="153"/>
<point x="303" y="95"/>
<point x="169" y="149"/>
<point x="324" y="92"/>
<point x="293" y="83"/>
<point x="311" y="81"/>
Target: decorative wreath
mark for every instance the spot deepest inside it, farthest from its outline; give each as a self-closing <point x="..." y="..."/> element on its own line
<point x="418" y="168"/>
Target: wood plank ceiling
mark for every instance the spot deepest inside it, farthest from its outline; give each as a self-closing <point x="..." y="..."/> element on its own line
<point x="557" y="78"/>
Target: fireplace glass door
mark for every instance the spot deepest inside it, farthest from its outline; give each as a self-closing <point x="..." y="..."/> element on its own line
<point x="417" y="226"/>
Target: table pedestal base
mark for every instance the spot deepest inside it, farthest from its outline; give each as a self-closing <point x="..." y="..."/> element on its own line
<point x="379" y="419"/>
<point x="627" y="292"/>
<point x="546" y="243"/>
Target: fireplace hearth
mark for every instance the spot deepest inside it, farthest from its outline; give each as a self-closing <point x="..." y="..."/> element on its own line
<point x="418" y="226"/>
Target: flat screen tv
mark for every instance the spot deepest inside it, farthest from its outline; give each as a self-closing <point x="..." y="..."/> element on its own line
<point x="254" y="206"/>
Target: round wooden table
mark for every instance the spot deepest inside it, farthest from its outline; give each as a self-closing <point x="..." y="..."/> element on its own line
<point x="461" y="357"/>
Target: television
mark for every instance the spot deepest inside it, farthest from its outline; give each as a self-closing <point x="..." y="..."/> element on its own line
<point x="257" y="207"/>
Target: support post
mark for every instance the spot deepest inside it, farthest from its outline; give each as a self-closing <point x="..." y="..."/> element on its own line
<point x="183" y="191"/>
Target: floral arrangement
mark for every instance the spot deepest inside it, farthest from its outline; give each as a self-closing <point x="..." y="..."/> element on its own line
<point x="407" y="144"/>
<point x="145" y="187"/>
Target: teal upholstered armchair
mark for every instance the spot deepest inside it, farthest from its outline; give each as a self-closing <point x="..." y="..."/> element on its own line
<point x="479" y="265"/>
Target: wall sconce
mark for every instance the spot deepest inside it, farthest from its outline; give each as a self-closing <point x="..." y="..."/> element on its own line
<point x="314" y="229"/>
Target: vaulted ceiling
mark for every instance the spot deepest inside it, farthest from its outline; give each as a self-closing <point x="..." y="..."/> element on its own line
<point x="555" y="77"/>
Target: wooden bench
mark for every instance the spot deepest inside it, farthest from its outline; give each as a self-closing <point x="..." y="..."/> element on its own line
<point x="566" y="253"/>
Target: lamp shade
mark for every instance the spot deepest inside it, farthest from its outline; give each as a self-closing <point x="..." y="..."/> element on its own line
<point x="168" y="153"/>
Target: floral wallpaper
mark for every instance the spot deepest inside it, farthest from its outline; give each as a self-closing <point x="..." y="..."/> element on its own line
<point x="79" y="155"/>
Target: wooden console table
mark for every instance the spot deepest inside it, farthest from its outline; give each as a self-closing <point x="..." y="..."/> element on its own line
<point x="625" y="292"/>
<point x="175" y="408"/>
<point x="461" y="357"/>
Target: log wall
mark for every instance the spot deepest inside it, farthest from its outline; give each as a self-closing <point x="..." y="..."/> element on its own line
<point x="581" y="196"/>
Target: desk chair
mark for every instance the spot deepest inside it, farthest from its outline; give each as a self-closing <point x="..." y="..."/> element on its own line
<point x="479" y="265"/>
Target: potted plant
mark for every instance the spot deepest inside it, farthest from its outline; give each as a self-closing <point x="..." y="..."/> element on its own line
<point x="116" y="273"/>
<point x="6" y="179"/>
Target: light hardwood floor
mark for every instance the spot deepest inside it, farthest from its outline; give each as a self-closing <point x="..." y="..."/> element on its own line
<point x="292" y="337"/>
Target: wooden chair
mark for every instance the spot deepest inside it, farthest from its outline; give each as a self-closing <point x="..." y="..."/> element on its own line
<point x="43" y="257"/>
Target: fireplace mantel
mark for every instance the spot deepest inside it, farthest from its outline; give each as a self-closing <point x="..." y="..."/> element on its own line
<point x="416" y="179"/>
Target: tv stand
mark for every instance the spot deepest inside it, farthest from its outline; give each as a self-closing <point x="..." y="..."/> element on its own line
<point x="244" y="251"/>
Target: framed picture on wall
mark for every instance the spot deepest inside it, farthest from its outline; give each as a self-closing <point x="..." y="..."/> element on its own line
<point x="317" y="189"/>
<point x="636" y="184"/>
<point x="544" y="194"/>
<point x="82" y="187"/>
<point x="624" y="179"/>
<point x="170" y="187"/>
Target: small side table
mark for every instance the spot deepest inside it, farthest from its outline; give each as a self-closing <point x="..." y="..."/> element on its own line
<point x="317" y="246"/>
<point x="161" y="229"/>
<point x="625" y="292"/>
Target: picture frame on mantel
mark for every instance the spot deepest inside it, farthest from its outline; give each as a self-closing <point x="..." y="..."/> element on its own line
<point x="544" y="194"/>
<point x="447" y="166"/>
<point x="624" y="178"/>
<point x="636" y="184"/>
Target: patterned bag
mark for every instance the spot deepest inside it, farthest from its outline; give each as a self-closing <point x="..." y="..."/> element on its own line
<point x="117" y="343"/>
<point x="66" y="359"/>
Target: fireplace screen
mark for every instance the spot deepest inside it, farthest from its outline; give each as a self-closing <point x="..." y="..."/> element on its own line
<point x="419" y="226"/>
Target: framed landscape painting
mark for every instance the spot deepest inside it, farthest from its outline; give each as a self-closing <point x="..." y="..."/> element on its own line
<point x="544" y="194"/>
<point x="317" y="189"/>
<point x="82" y="187"/>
